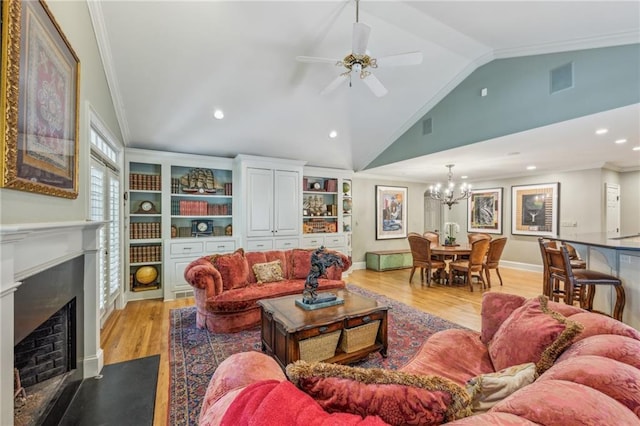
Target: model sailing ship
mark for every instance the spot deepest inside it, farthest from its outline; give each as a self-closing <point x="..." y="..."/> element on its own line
<point x="198" y="180"/>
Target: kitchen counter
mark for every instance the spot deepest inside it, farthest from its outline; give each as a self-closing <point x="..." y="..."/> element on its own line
<point x="619" y="256"/>
<point x="630" y="242"/>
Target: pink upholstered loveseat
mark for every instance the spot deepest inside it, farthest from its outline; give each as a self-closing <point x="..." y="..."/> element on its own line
<point x="588" y="373"/>
<point x="226" y="289"/>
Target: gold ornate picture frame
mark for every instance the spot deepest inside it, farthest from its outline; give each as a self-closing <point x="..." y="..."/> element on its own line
<point x="535" y="209"/>
<point x="39" y="95"/>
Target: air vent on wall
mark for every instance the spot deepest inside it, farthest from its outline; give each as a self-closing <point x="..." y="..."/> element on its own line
<point x="427" y="126"/>
<point x="561" y="78"/>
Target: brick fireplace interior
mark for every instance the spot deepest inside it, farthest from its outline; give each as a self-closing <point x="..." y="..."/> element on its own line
<point x="48" y="341"/>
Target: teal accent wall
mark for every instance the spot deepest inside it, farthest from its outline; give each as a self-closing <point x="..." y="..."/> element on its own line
<point x="519" y="99"/>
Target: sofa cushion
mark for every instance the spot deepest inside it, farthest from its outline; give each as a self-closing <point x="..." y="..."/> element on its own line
<point x="246" y="298"/>
<point x="271" y="402"/>
<point x="620" y="348"/>
<point x="496" y="307"/>
<point x="613" y="378"/>
<point x="396" y="397"/>
<point x="300" y="263"/>
<point x="268" y="272"/>
<point x="488" y="389"/>
<point x="493" y="419"/>
<point x="565" y="403"/>
<point x="594" y="324"/>
<point x="233" y="269"/>
<point x="436" y="356"/>
<point x="254" y="257"/>
<point x="532" y="333"/>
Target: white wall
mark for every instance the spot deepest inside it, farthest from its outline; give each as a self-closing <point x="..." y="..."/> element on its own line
<point x="630" y="203"/>
<point x="581" y="201"/>
<point x="364" y="215"/>
<point x="24" y="207"/>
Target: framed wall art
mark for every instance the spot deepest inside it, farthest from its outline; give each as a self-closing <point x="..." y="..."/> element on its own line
<point x="485" y="211"/>
<point x="391" y="212"/>
<point x="39" y="90"/>
<point x="534" y="209"/>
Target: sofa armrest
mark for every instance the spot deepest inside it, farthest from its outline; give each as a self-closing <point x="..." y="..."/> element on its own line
<point x="335" y="272"/>
<point x="203" y="275"/>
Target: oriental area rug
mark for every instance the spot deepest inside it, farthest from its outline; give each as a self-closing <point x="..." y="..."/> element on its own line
<point x="194" y="354"/>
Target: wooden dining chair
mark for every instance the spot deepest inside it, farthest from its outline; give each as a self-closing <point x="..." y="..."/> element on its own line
<point x="421" y="253"/>
<point x="474" y="264"/>
<point x="492" y="259"/>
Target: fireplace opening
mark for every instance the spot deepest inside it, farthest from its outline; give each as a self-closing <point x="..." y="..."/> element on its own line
<point x="48" y="343"/>
<point x="42" y="361"/>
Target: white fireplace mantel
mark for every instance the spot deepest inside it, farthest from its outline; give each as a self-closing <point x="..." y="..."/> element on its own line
<point x="27" y="249"/>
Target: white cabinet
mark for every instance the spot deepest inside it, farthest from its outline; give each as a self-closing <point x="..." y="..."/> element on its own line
<point x="271" y="190"/>
<point x="272" y="202"/>
<point x="180" y="253"/>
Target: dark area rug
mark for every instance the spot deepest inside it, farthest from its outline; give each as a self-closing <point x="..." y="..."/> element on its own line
<point x="125" y="395"/>
<point x="195" y="354"/>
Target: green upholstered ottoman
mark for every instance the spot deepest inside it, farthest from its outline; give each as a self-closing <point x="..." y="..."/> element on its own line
<point x="386" y="260"/>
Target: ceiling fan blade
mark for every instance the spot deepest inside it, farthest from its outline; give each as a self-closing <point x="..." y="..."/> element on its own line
<point x="374" y="84"/>
<point x="360" y="38"/>
<point x="410" y="58"/>
<point x="335" y="83"/>
<point x="312" y="59"/>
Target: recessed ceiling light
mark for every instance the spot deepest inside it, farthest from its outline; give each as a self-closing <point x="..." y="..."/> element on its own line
<point x="636" y="148"/>
<point x="333" y="134"/>
<point x="531" y="167"/>
<point x="602" y="131"/>
<point x="218" y="114"/>
<point x="621" y="141"/>
<point x="464" y="177"/>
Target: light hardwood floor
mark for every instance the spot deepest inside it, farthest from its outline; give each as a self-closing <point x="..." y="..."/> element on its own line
<point x="142" y="328"/>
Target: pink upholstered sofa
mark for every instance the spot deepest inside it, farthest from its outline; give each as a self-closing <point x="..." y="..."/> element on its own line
<point x="586" y="370"/>
<point x="227" y="290"/>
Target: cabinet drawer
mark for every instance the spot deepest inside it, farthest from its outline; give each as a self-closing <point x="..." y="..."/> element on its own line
<point x="195" y="248"/>
<point x="316" y="331"/>
<point x="287" y="244"/>
<point x="334" y="241"/>
<point x="312" y="242"/>
<point x="220" y="246"/>
<point x="365" y="319"/>
<point x="259" y="245"/>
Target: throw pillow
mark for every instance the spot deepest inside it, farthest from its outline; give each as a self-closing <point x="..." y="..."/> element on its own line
<point x="488" y="389"/>
<point x="233" y="269"/>
<point x="397" y="398"/>
<point x="532" y="333"/>
<point x="268" y="272"/>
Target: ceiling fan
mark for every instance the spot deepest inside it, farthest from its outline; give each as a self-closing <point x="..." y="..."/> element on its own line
<point x="359" y="62"/>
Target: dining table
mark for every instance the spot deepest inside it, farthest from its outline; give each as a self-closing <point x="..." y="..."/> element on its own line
<point x="446" y="253"/>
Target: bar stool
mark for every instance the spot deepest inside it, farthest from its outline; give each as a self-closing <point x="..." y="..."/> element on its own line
<point x="575" y="282"/>
<point x="574" y="259"/>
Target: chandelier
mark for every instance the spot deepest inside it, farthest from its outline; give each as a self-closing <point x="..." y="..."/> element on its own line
<point x="446" y="195"/>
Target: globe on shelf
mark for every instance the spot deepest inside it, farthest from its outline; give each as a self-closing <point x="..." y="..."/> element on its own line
<point x="346" y="187"/>
<point x="146" y="275"/>
<point x="346" y="205"/>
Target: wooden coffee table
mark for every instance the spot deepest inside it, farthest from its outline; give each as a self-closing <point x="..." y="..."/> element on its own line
<point x="284" y="325"/>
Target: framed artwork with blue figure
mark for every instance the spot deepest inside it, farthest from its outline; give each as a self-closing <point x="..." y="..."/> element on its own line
<point x="391" y="212"/>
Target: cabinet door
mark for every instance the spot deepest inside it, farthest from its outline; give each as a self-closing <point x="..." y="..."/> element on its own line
<point x="287" y="203"/>
<point x="259" y="202"/>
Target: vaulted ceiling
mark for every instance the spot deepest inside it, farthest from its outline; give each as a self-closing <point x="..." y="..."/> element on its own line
<point x="170" y="64"/>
